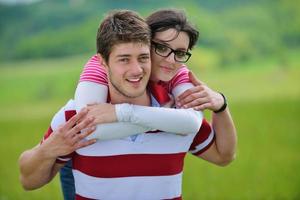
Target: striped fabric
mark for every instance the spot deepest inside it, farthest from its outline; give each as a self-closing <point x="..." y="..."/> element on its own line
<point x="148" y="167"/>
<point x="182" y="76"/>
<point x="94" y="72"/>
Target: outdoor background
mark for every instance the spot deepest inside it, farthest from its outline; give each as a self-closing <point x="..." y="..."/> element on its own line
<point x="249" y="50"/>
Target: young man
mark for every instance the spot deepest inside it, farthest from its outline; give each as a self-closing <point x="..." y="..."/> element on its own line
<point x="145" y="166"/>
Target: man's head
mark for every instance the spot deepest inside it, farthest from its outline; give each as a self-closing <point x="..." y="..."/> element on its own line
<point x="123" y="42"/>
<point x="121" y="26"/>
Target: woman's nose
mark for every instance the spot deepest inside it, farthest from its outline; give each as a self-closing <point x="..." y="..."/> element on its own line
<point x="171" y="58"/>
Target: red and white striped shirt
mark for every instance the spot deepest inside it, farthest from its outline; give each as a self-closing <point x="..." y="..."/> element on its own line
<point x="150" y="166"/>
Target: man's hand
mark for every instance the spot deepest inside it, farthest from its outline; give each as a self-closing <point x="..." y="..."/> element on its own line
<point x="102" y="113"/>
<point x="67" y="138"/>
<point x="200" y="97"/>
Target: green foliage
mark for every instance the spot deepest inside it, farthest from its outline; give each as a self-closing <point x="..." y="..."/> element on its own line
<point x="239" y="31"/>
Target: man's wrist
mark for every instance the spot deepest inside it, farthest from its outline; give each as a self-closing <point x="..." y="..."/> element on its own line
<point x="224" y="106"/>
<point x="44" y="151"/>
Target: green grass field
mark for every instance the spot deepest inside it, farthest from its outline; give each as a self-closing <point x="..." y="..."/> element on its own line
<point x="263" y="97"/>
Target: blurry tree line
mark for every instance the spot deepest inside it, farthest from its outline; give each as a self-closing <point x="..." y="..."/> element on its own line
<point x="237" y="30"/>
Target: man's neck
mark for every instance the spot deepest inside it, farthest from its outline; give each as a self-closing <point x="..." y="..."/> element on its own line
<point x="117" y="98"/>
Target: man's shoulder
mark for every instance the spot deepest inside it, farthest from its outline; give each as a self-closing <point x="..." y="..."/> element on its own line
<point x="64" y="114"/>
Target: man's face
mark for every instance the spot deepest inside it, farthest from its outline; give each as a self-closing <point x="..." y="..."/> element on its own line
<point x="129" y="68"/>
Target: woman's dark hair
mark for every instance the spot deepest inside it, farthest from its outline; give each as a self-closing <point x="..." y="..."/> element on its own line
<point x="162" y="20"/>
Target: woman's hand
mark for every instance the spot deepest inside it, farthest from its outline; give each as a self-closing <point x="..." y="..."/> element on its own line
<point x="170" y="103"/>
<point x="102" y="113"/>
<point x="200" y="97"/>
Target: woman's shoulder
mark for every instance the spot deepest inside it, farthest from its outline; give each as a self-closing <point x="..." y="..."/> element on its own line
<point x="182" y="76"/>
<point x="93" y="71"/>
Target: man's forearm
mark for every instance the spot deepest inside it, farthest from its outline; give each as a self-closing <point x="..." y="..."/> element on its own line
<point x="36" y="168"/>
<point x="225" y="134"/>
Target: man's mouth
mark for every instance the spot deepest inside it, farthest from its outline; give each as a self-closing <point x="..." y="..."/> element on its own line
<point x="134" y="80"/>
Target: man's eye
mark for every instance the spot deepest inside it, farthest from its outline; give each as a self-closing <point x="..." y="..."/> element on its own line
<point x="144" y="59"/>
<point x="124" y="60"/>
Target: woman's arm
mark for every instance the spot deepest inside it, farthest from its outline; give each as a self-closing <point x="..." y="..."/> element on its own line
<point x="135" y="119"/>
<point x="92" y="88"/>
<point x="222" y="152"/>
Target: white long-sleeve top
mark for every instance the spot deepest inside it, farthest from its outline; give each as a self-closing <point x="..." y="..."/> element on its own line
<point x="134" y="119"/>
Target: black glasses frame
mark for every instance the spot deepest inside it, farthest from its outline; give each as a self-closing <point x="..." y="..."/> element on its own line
<point x="188" y="54"/>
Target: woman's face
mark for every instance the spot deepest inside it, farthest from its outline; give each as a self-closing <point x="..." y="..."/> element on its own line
<point x="165" y="68"/>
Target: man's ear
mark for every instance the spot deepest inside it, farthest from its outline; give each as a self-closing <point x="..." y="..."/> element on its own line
<point x="102" y="61"/>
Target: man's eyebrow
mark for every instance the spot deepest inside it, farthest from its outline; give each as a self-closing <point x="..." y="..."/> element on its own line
<point x="123" y="55"/>
<point x="145" y="54"/>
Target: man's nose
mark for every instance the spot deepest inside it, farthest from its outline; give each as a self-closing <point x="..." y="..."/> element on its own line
<point x="136" y="68"/>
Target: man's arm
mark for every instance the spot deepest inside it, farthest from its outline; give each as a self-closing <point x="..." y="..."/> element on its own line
<point x="37" y="169"/>
<point x="201" y="97"/>
<point x="38" y="165"/>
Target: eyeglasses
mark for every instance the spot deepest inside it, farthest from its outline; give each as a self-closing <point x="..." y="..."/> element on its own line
<point x="165" y="51"/>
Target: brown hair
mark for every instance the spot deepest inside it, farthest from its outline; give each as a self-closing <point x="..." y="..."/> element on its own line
<point x="121" y="26"/>
<point x="162" y="20"/>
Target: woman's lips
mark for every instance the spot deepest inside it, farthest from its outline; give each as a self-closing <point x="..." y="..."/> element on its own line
<point x="166" y="69"/>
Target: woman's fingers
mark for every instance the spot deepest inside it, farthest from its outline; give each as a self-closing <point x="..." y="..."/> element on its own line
<point x="194" y="79"/>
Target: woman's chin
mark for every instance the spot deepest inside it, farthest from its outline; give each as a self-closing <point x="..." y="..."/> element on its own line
<point x="165" y="78"/>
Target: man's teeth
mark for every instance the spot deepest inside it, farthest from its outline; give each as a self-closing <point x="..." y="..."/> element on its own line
<point x="134" y="79"/>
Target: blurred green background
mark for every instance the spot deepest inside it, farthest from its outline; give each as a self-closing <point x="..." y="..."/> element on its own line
<point x="249" y="50"/>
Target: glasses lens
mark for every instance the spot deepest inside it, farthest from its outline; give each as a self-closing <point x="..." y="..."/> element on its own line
<point x="165" y="51"/>
<point x="181" y="56"/>
<point x="162" y="49"/>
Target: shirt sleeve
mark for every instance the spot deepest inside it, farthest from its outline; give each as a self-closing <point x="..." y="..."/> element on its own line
<point x="203" y="139"/>
<point x="182" y="76"/>
<point x="88" y="93"/>
<point x="178" y="121"/>
<point x="94" y="72"/>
